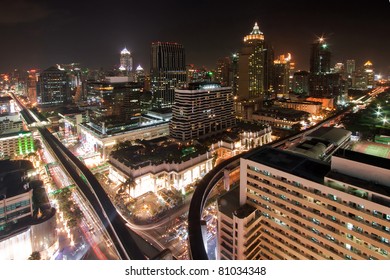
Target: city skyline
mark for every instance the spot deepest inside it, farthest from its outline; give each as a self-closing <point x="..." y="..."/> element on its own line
<point x="42" y="33"/>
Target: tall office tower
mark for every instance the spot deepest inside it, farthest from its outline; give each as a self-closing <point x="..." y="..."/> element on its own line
<point x="234" y="72"/>
<point x="223" y="74"/>
<point x="320" y="57"/>
<point x="53" y="87"/>
<point x="323" y="83"/>
<point x="315" y="210"/>
<point x="126" y="61"/>
<point x="200" y="110"/>
<point x="167" y="70"/>
<point x="251" y="66"/>
<point x="281" y="75"/>
<point x="254" y="71"/>
<point x="369" y="74"/>
<point x="32" y="85"/>
<point x="350" y="67"/>
<point x="140" y="75"/>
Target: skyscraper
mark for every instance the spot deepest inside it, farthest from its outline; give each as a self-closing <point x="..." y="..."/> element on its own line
<point x="320" y="57"/>
<point x="53" y="87"/>
<point x="251" y="65"/>
<point x="126" y="61"/>
<point x="301" y="83"/>
<point x="350" y="66"/>
<point x="369" y="74"/>
<point x="323" y="83"/>
<point x="168" y="69"/>
<point x="281" y="75"/>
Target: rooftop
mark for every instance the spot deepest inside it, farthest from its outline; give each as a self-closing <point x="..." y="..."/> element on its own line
<point x="331" y="134"/>
<point x="229" y="202"/>
<point x="299" y="165"/>
<point x="155" y="152"/>
<point x="380" y="162"/>
<point x="10" y="176"/>
<point x="244" y="211"/>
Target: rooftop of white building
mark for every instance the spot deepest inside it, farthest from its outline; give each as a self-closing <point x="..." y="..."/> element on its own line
<point x="302" y="166"/>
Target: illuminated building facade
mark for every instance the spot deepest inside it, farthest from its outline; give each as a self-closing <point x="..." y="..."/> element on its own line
<point x="311" y="107"/>
<point x="369" y="74"/>
<point x="126" y="61"/>
<point x="53" y="87"/>
<point x="238" y="229"/>
<point x="27" y="221"/>
<point x="15" y="143"/>
<point x="167" y="71"/>
<point x="7" y="105"/>
<point x="283" y="118"/>
<point x="281" y="76"/>
<point x="152" y="176"/>
<point x="140" y="75"/>
<point x="201" y="110"/>
<point x="10" y="122"/>
<point x="101" y="137"/>
<point x="117" y="96"/>
<point x="255" y="73"/>
<point x="315" y="210"/>
<point x="251" y="65"/>
<point x="32" y="85"/>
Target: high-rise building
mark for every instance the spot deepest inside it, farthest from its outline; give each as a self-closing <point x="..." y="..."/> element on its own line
<point x="140" y="75"/>
<point x="300" y="84"/>
<point x="251" y="66"/>
<point x="369" y="74"/>
<point x="281" y="75"/>
<point x="200" y="110"/>
<point x="117" y="96"/>
<point x="167" y="71"/>
<point x="255" y="70"/>
<point x="309" y="209"/>
<point x="32" y="85"/>
<point x="320" y="57"/>
<point x="223" y="74"/>
<point x="126" y="61"/>
<point x="322" y="82"/>
<point x="329" y="85"/>
<point x="53" y="87"/>
<point x="350" y="66"/>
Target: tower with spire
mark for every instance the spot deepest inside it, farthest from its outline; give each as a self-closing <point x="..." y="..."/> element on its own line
<point x="253" y="65"/>
<point x="126" y="61"/>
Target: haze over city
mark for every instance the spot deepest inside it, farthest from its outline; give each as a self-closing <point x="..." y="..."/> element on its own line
<point x="38" y="34"/>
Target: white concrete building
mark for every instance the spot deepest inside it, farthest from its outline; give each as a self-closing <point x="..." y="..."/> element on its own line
<point x="314" y="210"/>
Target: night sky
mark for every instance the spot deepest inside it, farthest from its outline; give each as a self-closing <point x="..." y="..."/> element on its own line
<point x="38" y="34"/>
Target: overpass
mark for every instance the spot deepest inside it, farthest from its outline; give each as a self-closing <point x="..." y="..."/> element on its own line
<point x="197" y="249"/>
<point x="90" y="188"/>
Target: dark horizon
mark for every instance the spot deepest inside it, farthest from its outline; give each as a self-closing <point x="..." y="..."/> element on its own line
<point x="39" y="34"/>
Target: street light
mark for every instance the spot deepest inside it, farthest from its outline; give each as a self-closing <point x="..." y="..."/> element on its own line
<point x="384" y="120"/>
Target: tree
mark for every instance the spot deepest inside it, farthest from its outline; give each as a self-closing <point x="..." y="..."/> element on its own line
<point x="130" y="184"/>
<point x="35" y="256"/>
